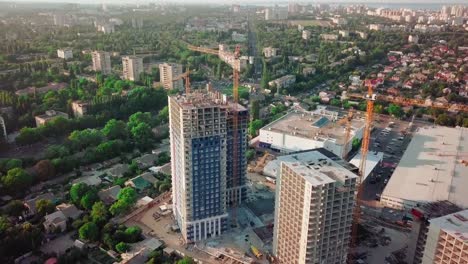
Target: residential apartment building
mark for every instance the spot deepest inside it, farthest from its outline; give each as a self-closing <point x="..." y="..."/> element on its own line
<point x="102" y="62"/>
<point x="208" y="161"/>
<point x="79" y="108"/>
<point x="447" y="239"/>
<point x="132" y="67"/>
<point x="314" y="207"/>
<point x="65" y="53"/>
<point x="276" y="13"/>
<point x="283" y="82"/>
<point x="422" y="215"/>
<point x="169" y="76"/>
<point x="269" y="52"/>
<point x="49" y="115"/>
<point x="306" y="34"/>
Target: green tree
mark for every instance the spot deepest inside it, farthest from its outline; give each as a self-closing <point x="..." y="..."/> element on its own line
<point x="84" y="138"/>
<point x="254" y="126"/>
<point x="163" y="115"/>
<point x="250" y="154"/>
<point x="4" y="224"/>
<point x="127" y="194"/>
<point x="28" y="136"/>
<point x="445" y="120"/>
<point x="115" y="129"/>
<point x="56" y="151"/>
<point x="77" y="191"/>
<point x="44" y="207"/>
<point x="356" y="143"/>
<point x="255" y="109"/>
<point x="99" y="213"/>
<point x="118" y="208"/>
<point x="15" y="208"/>
<point x="133" y="234"/>
<point x="186" y="260"/>
<point x="335" y="102"/>
<point x="126" y="199"/>
<point x="142" y="134"/>
<point x="89" y="199"/>
<point x="11" y="164"/>
<point x="395" y="110"/>
<point x="138" y="118"/>
<point x="89" y="231"/>
<point x="122" y="247"/>
<point x="17" y="179"/>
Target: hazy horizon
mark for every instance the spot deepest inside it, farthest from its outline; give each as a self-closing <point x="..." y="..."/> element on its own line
<point x="383" y="2"/>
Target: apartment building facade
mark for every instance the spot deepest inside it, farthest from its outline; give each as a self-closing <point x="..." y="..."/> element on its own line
<point x="132" y="67"/>
<point x="169" y="76"/>
<point x="422" y="215"/>
<point x="102" y="62"/>
<point x="447" y="240"/>
<point x="206" y="177"/>
<point x="65" y="53"/>
<point x="313" y="213"/>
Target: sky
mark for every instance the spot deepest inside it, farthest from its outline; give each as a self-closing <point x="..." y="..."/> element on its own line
<point x="244" y="1"/>
<point x="385" y="3"/>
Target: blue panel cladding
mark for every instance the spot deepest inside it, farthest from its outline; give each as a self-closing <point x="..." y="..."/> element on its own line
<point x="206" y="177"/>
<point x="243" y="117"/>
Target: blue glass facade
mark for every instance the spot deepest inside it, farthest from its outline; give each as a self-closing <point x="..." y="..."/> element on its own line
<point x="206" y="180"/>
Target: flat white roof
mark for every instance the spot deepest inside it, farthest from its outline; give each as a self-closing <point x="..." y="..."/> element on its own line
<point x="373" y="159"/>
<point x="316" y="168"/>
<point x="313" y="125"/>
<point x="431" y="169"/>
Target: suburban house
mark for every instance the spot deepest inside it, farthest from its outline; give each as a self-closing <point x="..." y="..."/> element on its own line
<point x="109" y="195"/>
<point x="30" y="204"/>
<point x="142" y="181"/>
<point x="146" y="161"/>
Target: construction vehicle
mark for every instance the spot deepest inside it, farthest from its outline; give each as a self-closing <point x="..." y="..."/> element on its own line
<point x="233" y="59"/>
<point x="256" y="252"/>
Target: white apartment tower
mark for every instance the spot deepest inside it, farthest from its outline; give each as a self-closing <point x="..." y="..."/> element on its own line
<point x="168" y="72"/>
<point x="132" y="67"/>
<point x="101" y="62"/>
<point x="315" y="197"/>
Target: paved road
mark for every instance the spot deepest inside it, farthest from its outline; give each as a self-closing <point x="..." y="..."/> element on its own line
<point x="253" y="48"/>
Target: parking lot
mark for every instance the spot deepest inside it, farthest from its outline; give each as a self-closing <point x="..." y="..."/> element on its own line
<point x="390" y="136"/>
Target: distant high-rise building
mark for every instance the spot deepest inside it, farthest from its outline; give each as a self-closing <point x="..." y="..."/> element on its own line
<point x="101" y="62"/>
<point x="315" y="194"/>
<point x="276" y="13"/>
<point x="167" y="73"/>
<point x="306" y="34"/>
<point x="137" y="22"/>
<point x="132" y="67"/>
<point x="413" y="39"/>
<point x="235" y="8"/>
<point x="446" y="10"/>
<point x="293" y="8"/>
<point x="206" y="177"/>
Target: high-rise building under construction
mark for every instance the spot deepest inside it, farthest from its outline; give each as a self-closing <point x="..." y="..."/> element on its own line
<point x="208" y="171"/>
